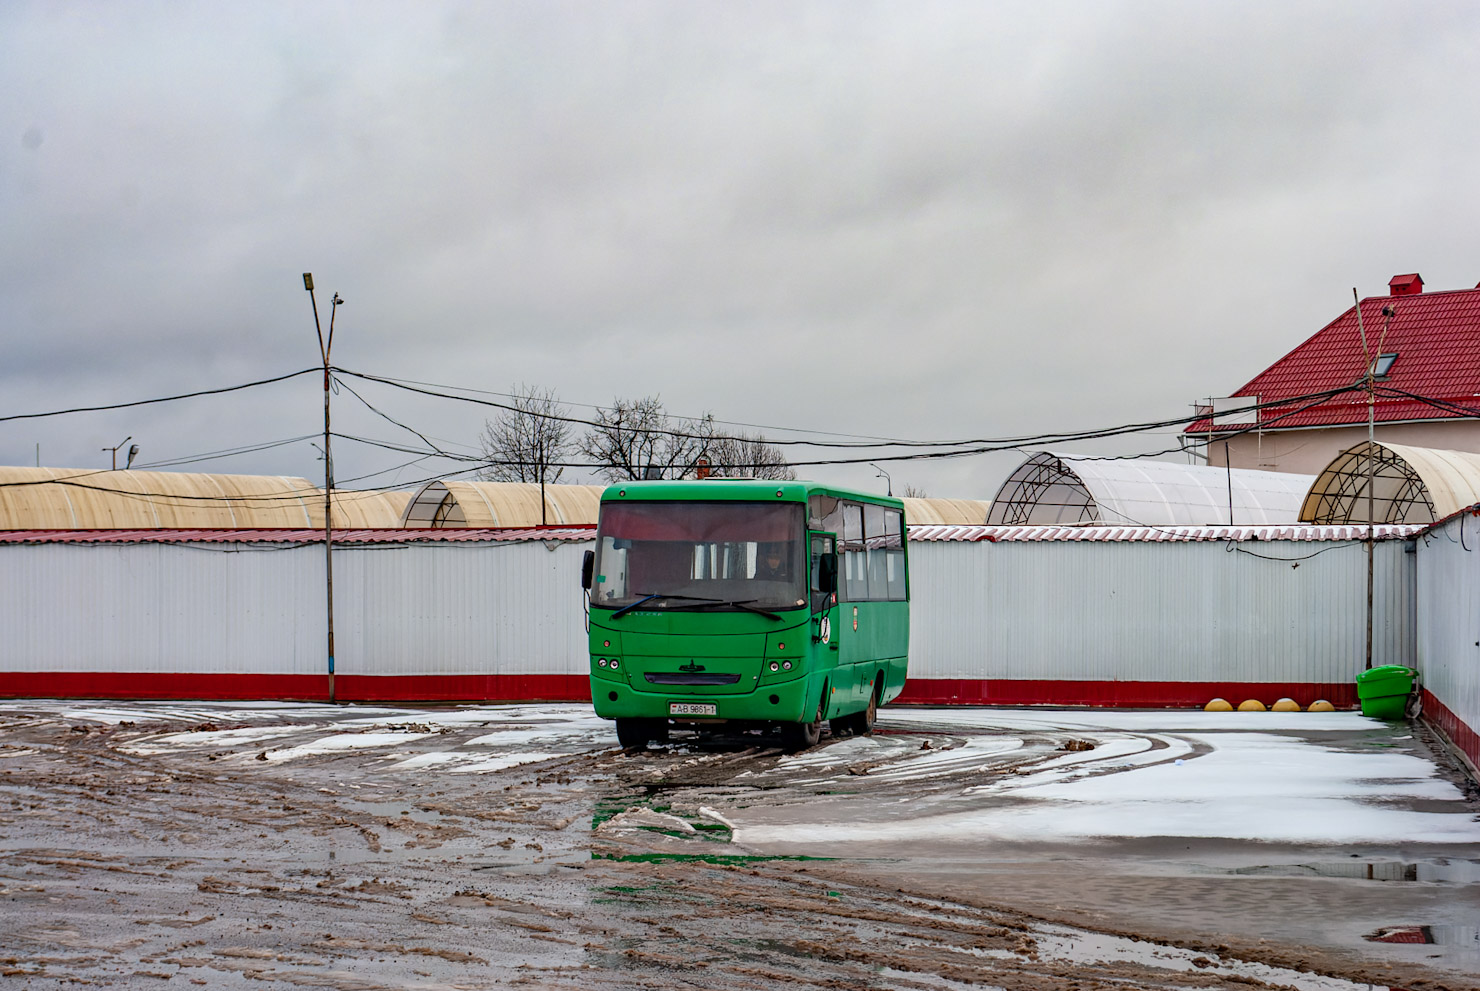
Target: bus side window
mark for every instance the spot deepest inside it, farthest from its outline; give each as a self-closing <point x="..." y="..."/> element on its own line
<point x="875" y="538"/>
<point x="855" y="554"/>
<point x="894" y="555"/>
<point x="824" y="512"/>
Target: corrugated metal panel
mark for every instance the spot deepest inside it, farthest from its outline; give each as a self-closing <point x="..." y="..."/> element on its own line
<point x="1160" y="612"/>
<point x="1449" y="616"/>
<point x="489" y="607"/>
<point x="1147" y="534"/>
<point x="160" y="608"/>
<point x="437" y="602"/>
<point x="448" y="610"/>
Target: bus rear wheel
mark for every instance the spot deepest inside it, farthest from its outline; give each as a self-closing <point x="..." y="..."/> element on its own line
<point x="858" y="723"/>
<point x="637" y="733"/>
<point x="863" y="722"/>
<point x="800" y="736"/>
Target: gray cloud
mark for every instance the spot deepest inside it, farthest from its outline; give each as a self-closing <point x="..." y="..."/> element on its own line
<point x="922" y="220"/>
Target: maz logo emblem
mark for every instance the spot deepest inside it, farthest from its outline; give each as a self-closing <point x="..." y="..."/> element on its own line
<point x="691" y="666"/>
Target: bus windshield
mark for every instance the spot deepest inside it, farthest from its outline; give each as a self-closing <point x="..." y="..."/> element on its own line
<point x="732" y="556"/>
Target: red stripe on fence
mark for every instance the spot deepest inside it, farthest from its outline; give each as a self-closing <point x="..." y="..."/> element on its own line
<point x="295" y="687"/>
<point x="1118" y="694"/>
<point x="1460" y="734"/>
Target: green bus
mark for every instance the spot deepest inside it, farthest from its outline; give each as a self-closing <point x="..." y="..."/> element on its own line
<point x="748" y="603"/>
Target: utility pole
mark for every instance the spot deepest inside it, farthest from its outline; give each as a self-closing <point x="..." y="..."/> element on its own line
<point x="1371" y="465"/>
<point x="325" y="343"/>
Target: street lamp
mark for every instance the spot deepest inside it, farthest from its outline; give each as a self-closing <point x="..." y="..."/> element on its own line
<point x="120" y="444"/>
<point x="888" y="482"/>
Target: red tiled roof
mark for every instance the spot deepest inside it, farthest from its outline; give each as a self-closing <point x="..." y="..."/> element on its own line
<point x="1436" y="336"/>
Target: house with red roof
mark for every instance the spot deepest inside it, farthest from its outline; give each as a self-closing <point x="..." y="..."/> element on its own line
<point x="1424" y="350"/>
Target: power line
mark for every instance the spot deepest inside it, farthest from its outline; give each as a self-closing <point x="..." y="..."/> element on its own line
<point x="158" y="399"/>
<point x="226" y="453"/>
<point x="973" y="446"/>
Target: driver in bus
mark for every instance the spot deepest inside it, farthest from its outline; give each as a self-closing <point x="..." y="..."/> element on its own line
<point x="771" y="564"/>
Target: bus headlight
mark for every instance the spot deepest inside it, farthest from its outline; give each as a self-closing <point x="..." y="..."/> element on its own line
<point x="612" y="663"/>
<point x="601" y="663"/>
<point x="786" y="665"/>
<point x="775" y="666"/>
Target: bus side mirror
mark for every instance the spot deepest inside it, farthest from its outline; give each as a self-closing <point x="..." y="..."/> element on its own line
<point x="827" y="574"/>
<point x="588" y="565"/>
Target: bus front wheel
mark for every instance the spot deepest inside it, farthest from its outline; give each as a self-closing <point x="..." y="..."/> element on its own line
<point x="636" y="733"/>
<point x="800" y="736"/>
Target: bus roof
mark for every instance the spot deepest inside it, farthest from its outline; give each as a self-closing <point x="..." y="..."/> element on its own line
<point x="736" y="490"/>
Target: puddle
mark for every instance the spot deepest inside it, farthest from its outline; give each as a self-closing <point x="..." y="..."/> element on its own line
<point x="1461" y="936"/>
<point x="1081" y="947"/>
<point x="1440" y="871"/>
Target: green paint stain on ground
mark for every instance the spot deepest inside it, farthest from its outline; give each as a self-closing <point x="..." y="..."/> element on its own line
<point x="708" y="858"/>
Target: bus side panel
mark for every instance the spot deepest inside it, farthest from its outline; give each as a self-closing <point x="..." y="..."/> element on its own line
<point x="879" y="644"/>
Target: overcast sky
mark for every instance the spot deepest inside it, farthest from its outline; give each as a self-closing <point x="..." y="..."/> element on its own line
<point x="924" y="220"/>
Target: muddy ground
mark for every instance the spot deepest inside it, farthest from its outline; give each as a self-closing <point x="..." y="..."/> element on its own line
<point x="249" y="846"/>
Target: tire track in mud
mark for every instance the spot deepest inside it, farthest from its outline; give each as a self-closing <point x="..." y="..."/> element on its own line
<point x="335" y="870"/>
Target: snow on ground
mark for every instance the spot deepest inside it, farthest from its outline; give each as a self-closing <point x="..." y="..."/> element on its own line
<point x="1274" y="777"/>
<point x="344" y="741"/>
<point x="1008" y="774"/>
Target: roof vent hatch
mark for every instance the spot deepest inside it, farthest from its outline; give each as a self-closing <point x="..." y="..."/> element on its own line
<point x="1405" y="285"/>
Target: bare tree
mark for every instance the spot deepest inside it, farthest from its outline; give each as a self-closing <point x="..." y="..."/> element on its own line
<point x="636" y="439"/>
<point x="747" y="456"/>
<point x="910" y="492"/>
<point x="527" y="443"/>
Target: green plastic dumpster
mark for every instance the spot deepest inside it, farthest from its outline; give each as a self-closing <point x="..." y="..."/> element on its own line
<point x="1384" y="691"/>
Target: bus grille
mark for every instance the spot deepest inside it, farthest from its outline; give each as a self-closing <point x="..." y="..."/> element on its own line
<point x="681" y="678"/>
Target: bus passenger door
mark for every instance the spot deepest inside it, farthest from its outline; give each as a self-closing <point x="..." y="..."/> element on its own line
<point x="823" y="590"/>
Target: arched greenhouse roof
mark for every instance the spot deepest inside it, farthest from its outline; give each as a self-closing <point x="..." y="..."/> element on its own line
<point x="79" y="498"/>
<point x="1050" y="488"/>
<point x="454" y="503"/>
<point x="1410" y="485"/>
<point x="361" y="510"/>
<point x="958" y="512"/>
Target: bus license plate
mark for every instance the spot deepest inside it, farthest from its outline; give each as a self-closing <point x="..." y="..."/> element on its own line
<point x="693" y="709"/>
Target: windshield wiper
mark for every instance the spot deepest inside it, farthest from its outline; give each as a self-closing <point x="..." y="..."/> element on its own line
<point x="745" y="604"/>
<point x="657" y="595"/>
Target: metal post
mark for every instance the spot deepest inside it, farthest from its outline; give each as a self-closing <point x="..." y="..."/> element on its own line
<point x="1228" y="462"/>
<point x="1371" y="467"/>
<point x="324" y="345"/>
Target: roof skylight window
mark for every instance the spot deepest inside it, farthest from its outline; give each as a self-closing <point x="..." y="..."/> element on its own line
<point x="1384" y="365"/>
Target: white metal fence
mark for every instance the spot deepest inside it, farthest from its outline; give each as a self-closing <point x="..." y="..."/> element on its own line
<point x="1194" y="611"/>
<point x="1449" y="628"/>
<point x="400" y="609"/>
